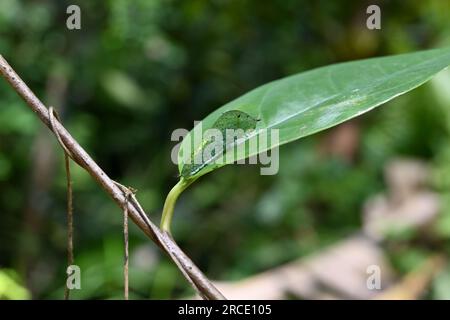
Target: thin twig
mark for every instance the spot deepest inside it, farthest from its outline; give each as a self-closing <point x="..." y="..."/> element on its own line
<point x="70" y="256"/>
<point x="125" y="236"/>
<point x="199" y="281"/>
<point x="70" y="260"/>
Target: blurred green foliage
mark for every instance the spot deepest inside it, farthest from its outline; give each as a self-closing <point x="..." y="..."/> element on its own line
<point x="9" y="288"/>
<point x="139" y="69"/>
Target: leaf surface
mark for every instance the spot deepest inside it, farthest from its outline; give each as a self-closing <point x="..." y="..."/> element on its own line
<point x="312" y="101"/>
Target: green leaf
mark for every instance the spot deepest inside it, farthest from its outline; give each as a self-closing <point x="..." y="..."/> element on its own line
<point x="312" y="101"/>
<point x="296" y="107"/>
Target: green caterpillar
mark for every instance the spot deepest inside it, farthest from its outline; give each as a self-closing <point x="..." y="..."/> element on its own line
<point x="231" y="120"/>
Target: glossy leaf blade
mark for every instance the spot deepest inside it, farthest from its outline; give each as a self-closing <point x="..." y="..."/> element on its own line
<point x="318" y="99"/>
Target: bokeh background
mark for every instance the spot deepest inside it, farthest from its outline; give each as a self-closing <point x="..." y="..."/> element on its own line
<point x="139" y="69"/>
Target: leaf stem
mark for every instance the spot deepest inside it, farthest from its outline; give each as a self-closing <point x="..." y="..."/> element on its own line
<point x="169" y="204"/>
